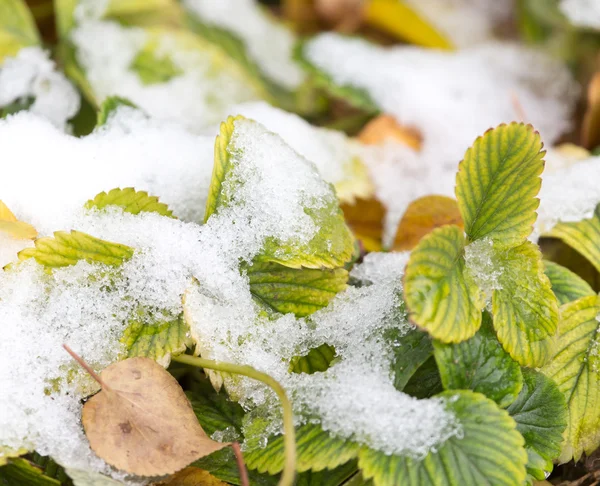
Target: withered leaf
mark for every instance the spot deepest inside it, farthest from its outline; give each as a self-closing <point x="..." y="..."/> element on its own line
<point x="365" y="219"/>
<point x="384" y="128"/>
<point x="141" y="421"/>
<point x="590" y="130"/>
<point x="422" y="216"/>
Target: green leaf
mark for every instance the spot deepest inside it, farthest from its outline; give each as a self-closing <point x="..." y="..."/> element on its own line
<point x="331" y="247"/>
<point x="575" y="368"/>
<point x="480" y="364"/>
<point x="152" y="69"/>
<point x="50" y="468"/>
<point x="583" y="236"/>
<point x="410" y="352"/>
<point x="66" y="249"/>
<point x="541" y="415"/>
<point x="525" y="308"/>
<point x="440" y="296"/>
<point x="158" y="341"/>
<point x="317" y="359"/>
<point x="566" y="285"/>
<point x="333" y="477"/>
<point x="131" y="201"/>
<point x="357" y="97"/>
<point x="425" y="382"/>
<point x="490" y="452"/>
<point x="22" y="104"/>
<point x="215" y="411"/>
<point x="316" y="450"/>
<point x="109" y="106"/>
<point x="21" y="472"/>
<point x="17" y="28"/>
<point x="497" y="182"/>
<point x="291" y="290"/>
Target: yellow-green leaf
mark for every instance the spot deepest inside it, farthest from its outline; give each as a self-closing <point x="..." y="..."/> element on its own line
<point x="66" y="249"/>
<point x="7" y="453"/>
<point x="583" y="236"/>
<point x="301" y="291"/>
<point x="489" y="452"/>
<point x="17" y="28"/>
<point x="14" y="228"/>
<point x="497" y="182"/>
<point x="398" y="19"/>
<point x="316" y="450"/>
<point x="21" y="472"/>
<point x="441" y="297"/>
<point x="157" y="341"/>
<point x="566" y="285"/>
<point x="152" y="69"/>
<point x="131" y="201"/>
<point x="576" y="370"/>
<point x="524" y="307"/>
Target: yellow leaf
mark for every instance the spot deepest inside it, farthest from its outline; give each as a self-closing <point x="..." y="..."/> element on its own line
<point x="384" y="128"/>
<point x="365" y="219"/>
<point x="141" y="421"/>
<point x="192" y="476"/>
<point x="590" y="131"/>
<point x="422" y="217"/>
<point x="14" y="228"/>
<point x="398" y="19"/>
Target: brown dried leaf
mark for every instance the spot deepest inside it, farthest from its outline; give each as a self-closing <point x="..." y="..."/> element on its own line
<point x="141" y="421"/>
<point x="590" y="131"/>
<point x="423" y="216"/>
<point x="384" y="128"/>
<point x="365" y="219"/>
<point x="191" y="476"/>
<point x="344" y="15"/>
<point x="17" y="229"/>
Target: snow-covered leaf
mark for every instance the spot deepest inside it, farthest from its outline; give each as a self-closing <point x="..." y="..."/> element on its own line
<point x="316" y="360"/>
<point x="489" y="451"/>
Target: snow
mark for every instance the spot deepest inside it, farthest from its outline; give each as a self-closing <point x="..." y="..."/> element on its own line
<point x="583" y="13"/>
<point x="481" y="262"/>
<point x="130" y="151"/>
<point x="269" y="43"/>
<point x="464" y="22"/>
<point x="31" y="74"/>
<point x="269" y="194"/>
<point x="569" y="194"/>
<point x="450" y="98"/>
<point x="335" y="155"/>
<point x="196" y="97"/>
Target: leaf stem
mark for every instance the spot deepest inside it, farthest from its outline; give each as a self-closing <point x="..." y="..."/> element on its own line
<point x="289" y="434"/>
<point x="239" y="457"/>
<point x="86" y="367"/>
